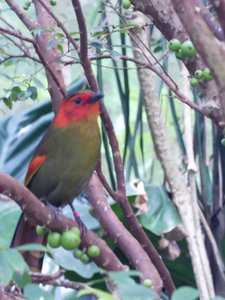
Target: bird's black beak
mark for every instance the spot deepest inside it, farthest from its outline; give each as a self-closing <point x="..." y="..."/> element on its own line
<point x="95" y="97"/>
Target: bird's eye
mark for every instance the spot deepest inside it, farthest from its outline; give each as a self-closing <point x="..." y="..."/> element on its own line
<point x="77" y="100"/>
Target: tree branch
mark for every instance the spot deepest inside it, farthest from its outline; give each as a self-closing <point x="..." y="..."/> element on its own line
<point x="47" y="59"/>
<point x="121" y="236"/>
<point x="36" y="211"/>
<point x="220" y="10"/>
<point x="203" y="39"/>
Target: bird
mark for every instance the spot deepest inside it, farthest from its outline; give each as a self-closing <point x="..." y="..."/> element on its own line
<point x="62" y="164"/>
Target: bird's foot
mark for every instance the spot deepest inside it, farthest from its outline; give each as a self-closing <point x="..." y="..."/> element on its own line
<point x="56" y="210"/>
<point x="77" y="218"/>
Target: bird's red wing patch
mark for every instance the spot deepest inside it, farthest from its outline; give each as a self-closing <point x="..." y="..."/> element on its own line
<point x="34" y="166"/>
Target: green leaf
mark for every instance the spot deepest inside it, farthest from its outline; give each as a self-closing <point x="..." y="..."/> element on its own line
<point x="37" y="31"/>
<point x="16" y="260"/>
<point x="60" y="35"/>
<point x="7" y="102"/>
<point x="19" y="266"/>
<point x="100" y="294"/>
<point x="95" y="43"/>
<point x="158" y="49"/>
<point x="8" y="63"/>
<point x="65" y="259"/>
<point x="15" y="93"/>
<point x="6" y="271"/>
<point x="33" y="92"/>
<point x="60" y="48"/>
<point x="161" y="216"/>
<point x="137" y="292"/>
<point x="123" y="276"/>
<point x="34" y="292"/>
<point x="32" y="247"/>
<point x="9" y="214"/>
<point x="38" y="83"/>
<point x="185" y="292"/>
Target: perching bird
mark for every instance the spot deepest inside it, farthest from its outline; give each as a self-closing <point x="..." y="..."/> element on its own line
<point x="63" y="162"/>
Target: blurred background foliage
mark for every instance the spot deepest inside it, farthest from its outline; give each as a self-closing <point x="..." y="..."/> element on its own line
<point x="25" y="113"/>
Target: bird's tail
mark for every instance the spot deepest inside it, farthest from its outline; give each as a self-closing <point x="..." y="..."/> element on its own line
<point x="26" y="234"/>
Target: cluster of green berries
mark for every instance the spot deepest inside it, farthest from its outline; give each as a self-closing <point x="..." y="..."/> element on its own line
<point x="201" y="74"/>
<point x="183" y="50"/>
<point x="187" y="50"/>
<point x="126" y="4"/>
<point x="69" y="240"/>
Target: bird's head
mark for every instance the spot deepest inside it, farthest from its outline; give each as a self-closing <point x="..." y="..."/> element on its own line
<point x="78" y="107"/>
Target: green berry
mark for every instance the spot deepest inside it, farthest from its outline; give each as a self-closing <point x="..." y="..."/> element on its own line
<point x="84" y="258"/>
<point x="40" y="230"/>
<point x="26" y="5"/>
<point x="126" y="4"/>
<point x="54" y="239"/>
<point x="188" y="49"/>
<point x="77" y="253"/>
<point x="194" y="81"/>
<point x="147" y="283"/>
<point x="223" y="141"/>
<point x="93" y="251"/>
<point x="179" y="54"/>
<point x="174" y="45"/>
<point x="75" y="230"/>
<point x="53" y="2"/>
<point x="198" y="74"/>
<point x="207" y="75"/>
<point x="69" y="240"/>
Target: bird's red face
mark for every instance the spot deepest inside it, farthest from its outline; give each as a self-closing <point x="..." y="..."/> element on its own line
<point x="77" y="107"/>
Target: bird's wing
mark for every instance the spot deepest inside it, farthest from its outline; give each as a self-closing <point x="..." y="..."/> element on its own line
<point x="39" y="157"/>
<point x="34" y="166"/>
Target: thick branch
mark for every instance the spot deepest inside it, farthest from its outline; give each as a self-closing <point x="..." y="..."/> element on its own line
<point x="36" y="211"/>
<point x="121" y="236"/>
<point x="208" y="46"/>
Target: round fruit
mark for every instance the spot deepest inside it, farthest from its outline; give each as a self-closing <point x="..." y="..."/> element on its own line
<point x="69" y="240"/>
<point x="126" y="4"/>
<point x="54" y="239"/>
<point x="75" y="230"/>
<point x="84" y="258"/>
<point x="77" y="253"/>
<point x="40" y="230"/>
<point x="188" y="49"/>
<point x="93" y="251"/>
<point x="194" y="81"/>
<point x="223" y="141"/>
<point x="179" y="54"/>
<point x="206" y="74"/>
<point x="53" y="2"/>
<point x="147" y="283"/>
<point x="174" y="45"/>
<point x="198" y="74"/>
<point x="26" y="5"/>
